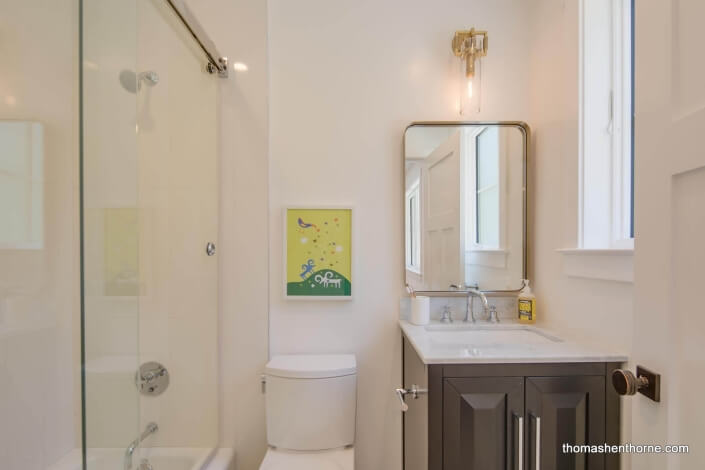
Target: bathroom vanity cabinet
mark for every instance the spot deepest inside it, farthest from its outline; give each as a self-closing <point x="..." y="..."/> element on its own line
<point x="489" y="416"/>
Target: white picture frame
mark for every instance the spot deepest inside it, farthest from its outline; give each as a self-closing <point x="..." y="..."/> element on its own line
<point x="292" y="294"/>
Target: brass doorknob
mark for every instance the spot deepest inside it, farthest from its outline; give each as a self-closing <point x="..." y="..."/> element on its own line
<point x="626" y="383"/>
<point x="645" y="382"/>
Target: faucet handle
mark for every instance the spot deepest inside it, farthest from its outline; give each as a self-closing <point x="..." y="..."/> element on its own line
<point x="493" y="314"/>
<point x="145" y="465"/>
<point x="446" y="316"/>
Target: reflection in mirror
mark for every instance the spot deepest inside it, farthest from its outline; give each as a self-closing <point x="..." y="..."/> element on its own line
<point x="464" y="206"/>
<point x="21" y="185"/>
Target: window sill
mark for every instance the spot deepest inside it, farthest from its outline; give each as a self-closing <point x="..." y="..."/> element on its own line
<point x="492" y="258"/>
<point x="603" y="264"/>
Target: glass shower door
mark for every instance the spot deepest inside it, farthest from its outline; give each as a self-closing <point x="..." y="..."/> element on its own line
<point x="39" y="243"/>
<point x="110" y="229"/>
<point x="150" y="199"/>
<point x="178" y="184"/>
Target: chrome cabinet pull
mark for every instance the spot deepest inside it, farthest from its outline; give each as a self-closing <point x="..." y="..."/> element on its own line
<point x="414" y="391"/>
<point x="537" y="449"/>
<point x="520" y="426"/>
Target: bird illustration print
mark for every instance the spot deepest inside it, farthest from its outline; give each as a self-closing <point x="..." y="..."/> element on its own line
<point x="303" y="224"/>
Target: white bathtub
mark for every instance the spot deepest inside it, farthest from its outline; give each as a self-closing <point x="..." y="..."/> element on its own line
<point x="161" y="458"/>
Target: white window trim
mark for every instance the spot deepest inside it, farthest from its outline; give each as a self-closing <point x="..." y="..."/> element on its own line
<point x="414" y="190"/>
<point x="604" y="132"/>
<point x="605" y="248"/>
<point x="606" y="265"/>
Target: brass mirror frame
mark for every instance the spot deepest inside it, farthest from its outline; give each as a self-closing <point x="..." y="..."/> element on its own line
<point x="526" y="135"/>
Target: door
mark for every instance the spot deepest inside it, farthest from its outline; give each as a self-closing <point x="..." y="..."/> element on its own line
<point x="669" y="255"/>
<point x="482" y="423"/>
<point x="564" y="410"/>
<point x="443" y="221"/>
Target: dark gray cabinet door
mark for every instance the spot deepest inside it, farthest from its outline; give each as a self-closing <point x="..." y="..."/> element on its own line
<point x="564" y="410"/>
<point x="482" y="419"/>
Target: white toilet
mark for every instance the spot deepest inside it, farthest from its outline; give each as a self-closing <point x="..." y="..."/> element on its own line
<point x="310" y="402"/>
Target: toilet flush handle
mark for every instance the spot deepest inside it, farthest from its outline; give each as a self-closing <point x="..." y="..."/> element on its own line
<point x="414" y="391"/>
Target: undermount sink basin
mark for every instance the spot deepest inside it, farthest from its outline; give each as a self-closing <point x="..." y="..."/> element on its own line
<point x="487" y="336"/>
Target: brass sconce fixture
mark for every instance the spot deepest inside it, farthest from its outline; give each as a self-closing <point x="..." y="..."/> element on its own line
<point x="470" y="46"/>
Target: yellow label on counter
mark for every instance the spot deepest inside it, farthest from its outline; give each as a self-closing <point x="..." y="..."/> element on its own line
<point x="527" y="310"/>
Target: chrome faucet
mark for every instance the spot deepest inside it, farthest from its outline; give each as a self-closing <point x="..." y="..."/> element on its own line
<point x="469" y="310"/>
<point x="473" y="291"/>
<point x="149" y="430"/>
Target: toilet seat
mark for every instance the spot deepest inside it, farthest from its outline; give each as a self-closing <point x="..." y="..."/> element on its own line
<point x="338" y="459"/>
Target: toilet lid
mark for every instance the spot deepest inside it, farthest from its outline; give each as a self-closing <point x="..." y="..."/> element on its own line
<point x="311" y="366"/>
<point x="341" y="459"/>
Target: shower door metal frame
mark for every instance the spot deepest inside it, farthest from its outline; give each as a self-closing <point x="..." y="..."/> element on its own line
<point x="217" y="63"/>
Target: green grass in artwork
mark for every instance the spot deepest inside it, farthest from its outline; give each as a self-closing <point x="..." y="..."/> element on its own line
<point x="325" y="282"/>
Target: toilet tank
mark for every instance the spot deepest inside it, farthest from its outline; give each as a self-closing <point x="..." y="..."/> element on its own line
<point x="310" y="401"/>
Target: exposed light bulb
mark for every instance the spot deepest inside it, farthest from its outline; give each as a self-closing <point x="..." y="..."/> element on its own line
<point x="470" y="89"/>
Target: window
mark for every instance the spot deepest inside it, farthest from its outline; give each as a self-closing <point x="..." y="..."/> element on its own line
<point x="606" y="131"/>
<point x="484" y="167"/>
<point x="487" y="188"/>
<point x="413" y="229"/>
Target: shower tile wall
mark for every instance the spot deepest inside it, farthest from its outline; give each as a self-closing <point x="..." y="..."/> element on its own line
<point x="177" y="147"/>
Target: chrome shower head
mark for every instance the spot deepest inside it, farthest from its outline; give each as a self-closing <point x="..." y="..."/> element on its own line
<point x="150" y="77"/>
<point x="132" y="82"/>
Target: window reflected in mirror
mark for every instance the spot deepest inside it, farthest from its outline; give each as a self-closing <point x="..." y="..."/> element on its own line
<point x="487" y="190"/>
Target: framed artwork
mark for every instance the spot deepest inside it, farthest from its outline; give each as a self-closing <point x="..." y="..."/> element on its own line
<point x="318" y="253"/>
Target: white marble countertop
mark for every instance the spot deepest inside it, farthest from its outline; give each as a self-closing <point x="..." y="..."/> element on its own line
<point x="507" y="342"/>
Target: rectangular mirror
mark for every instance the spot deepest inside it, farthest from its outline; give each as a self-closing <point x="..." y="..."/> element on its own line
<point x="465" y="205"/>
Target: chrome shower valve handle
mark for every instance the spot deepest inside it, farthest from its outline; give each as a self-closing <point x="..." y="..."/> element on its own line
<point x="152" y="378"/>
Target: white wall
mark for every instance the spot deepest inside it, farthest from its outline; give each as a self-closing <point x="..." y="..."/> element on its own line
<point x="591" y="311"/>
<point x="346" y="79"/>
<point x="239" y="29"/>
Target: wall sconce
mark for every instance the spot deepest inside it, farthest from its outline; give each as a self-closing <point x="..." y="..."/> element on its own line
<point x="470" y="46"/>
